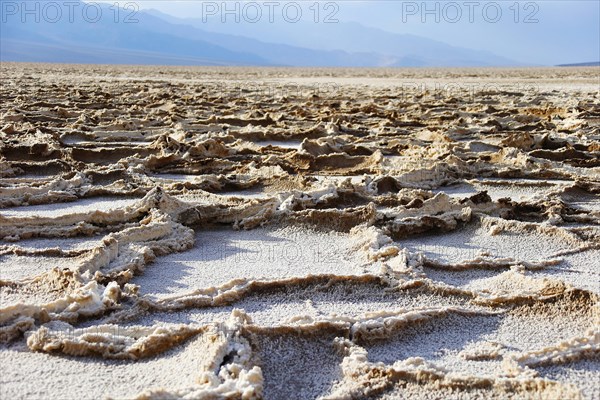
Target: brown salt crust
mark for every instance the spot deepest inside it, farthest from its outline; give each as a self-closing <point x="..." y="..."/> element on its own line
<point x="496" y="225"/>
<point x="491" y="263"/>
<point x="547" y="292"/>
<point x="570" y="301"/>
<point x="383" y="324"/>
<point x="86" y="301"/>
<point x="363" y="379"/>
<point x="83" y="292"/>
<point x="587" y="233"/>
<point x="47" y="252"/>
<point x="109" y="341"/>
<point x="228" y="371"/>
<point x="374" y="242"/>
<point x="118" y="253"/>
<point x="587" y="346"/>
<point x="93" y="222"/>
<point x="58" y="190"/>
<point x="14" y="331"/>
<point x="435" y="377"/>
<point x="441" y="222"/>
<point x="332" y="219"/>
<point x="231" y="292"/>
<point x="252" y="211"/>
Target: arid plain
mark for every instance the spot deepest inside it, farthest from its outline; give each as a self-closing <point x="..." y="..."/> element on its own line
<point x="299" y="233"/>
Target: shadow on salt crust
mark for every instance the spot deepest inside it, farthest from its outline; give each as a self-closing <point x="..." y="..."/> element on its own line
<point x="222" y="255"/>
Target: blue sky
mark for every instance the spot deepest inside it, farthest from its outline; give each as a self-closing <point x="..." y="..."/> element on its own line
<point x="540" y="32"/>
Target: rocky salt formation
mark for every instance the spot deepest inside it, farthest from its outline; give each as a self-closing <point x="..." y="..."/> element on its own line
<point x="172" y="234"/>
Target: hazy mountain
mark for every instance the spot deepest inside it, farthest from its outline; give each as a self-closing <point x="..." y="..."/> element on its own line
<point x="108" y="42"/>
<point x="583" y="64"/>
<point x="397" y="49"/>
<point x="536" y="33"/>
<point x="273" y="53"/>
<point x="161" y="39"/>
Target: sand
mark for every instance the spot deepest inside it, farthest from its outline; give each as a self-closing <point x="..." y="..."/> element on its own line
<point x="327" y="233"/>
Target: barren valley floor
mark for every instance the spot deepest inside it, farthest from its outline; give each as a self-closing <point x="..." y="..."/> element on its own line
<point x="299" y="233"/>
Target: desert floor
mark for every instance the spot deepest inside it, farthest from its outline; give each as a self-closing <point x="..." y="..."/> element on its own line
<point x="299" y="233"/>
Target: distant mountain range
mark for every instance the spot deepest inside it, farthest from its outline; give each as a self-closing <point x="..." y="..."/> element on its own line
<point x="162" y="39"/>
<point x="584" y="64"/>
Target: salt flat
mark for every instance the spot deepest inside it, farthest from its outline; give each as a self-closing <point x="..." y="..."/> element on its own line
<point x="422" y="233"/>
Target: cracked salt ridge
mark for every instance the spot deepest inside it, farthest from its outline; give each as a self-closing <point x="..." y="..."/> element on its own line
<point x="279" y="143"/>
<point x="134" y="139"/>
<point x="582" y="200"/>
<point x="586" y="205"/>
<point x="416" y="391"/>
<point x="468" y="242"/>
<point x="177" y="177"/>
<point x="465" y="279"/>
<point x="62" y="209"/>
<point x="76" y="378"/>
<point x="36" y="177"/>
<point x="111" y="145"/>
<point x="461" y="190"/>
<point x="342" y="300"/>
<point x="442" y="339"/>
<point x="222" y="255"/>
<point x="517" y="191"/>
<point x="250" y="193"/>
<point x="254" y="192"/>
<point x="337" y="179"/>
<point x="582" y="270"/>
<point x="103" y="142"/>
